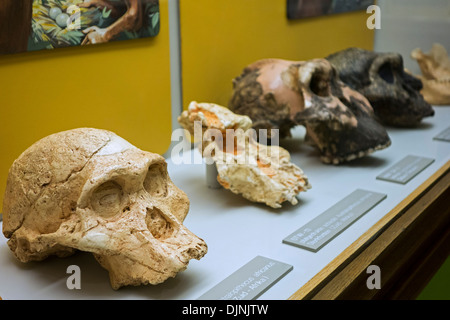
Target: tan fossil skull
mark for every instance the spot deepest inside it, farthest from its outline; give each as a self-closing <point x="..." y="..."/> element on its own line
<point x="258" y="172"/>
<point x="90" y="190"/>
<point x="435" y="68"/>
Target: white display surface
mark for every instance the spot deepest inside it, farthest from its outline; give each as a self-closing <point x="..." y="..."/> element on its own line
<point x="236" y="230"/>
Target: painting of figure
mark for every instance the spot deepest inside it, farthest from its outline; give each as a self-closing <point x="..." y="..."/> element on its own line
<point x="30" y="25"/>
<point x="299" y="9"/>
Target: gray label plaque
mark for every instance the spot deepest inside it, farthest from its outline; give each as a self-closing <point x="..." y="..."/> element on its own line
<point x="444" y="135"/>
<point x="406" y="169"/>
<point x="321" y="230"/>
<point x="250" y="281"/>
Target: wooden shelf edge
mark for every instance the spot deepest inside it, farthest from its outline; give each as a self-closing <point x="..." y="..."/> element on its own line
<point x="326" y="275"/>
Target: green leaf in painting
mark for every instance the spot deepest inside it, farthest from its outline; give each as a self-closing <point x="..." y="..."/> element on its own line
<point x="106" y="13"/>
<point x="155" y="19"/>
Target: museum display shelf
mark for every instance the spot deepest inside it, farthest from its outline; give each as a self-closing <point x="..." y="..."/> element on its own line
<point x="406" y="234"/>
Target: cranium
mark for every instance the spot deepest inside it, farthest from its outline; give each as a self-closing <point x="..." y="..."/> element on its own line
<point x="435" y="68"/>
<point x="281" y="94"/>
<point x="381" y="78"/>
<point x="90" y="190"/>
<point x="258" y="172"/>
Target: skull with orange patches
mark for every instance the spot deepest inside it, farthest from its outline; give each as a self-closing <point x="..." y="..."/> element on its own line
<point x="90" y="190"/>
<point x="281" y="94"/>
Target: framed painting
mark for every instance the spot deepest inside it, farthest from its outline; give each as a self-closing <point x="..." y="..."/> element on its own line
<point x="299" y="9"/>
<point x="30" y="25"/>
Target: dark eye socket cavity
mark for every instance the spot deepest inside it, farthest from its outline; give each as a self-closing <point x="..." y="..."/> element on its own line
<point x="386" y="72"/>
<point x="319" y="84"/>
<point x="155" y="182"/>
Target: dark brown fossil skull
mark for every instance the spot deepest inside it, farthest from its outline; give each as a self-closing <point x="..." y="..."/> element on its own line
<point x="394" y="94"/>
<point x="281" y="94"/>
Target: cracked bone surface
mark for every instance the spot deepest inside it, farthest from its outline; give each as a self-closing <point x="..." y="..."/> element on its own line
<point x="259" y="173"/>
<point x="281" y="94"/>
<point x="435" y="68"/>
<point x="90" y="190"/>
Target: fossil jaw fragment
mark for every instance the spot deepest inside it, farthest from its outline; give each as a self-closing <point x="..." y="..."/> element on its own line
<point x="260" y="173"/>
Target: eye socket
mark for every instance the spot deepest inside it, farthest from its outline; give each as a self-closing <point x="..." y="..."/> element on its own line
<point x="386" y="73"/>
<point x="155" y="182"/>
<point x="319" y="85"/>
<point x="107" y="198"/>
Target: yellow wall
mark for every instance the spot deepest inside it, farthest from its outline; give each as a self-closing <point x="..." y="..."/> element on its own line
<point x="220" y="37"/>
<point x="123" y="87"/>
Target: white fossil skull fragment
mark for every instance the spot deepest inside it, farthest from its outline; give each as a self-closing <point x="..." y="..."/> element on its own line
<point x="435" y="68"/>
<point x="213" y="116"/>
<point x="90" y="190"/>
<point x="201" y="117"/>
<point x="260" y="173"/>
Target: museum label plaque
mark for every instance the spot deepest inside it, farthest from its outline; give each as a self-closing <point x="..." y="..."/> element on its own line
<point x="321" y="230"/>
<point x="406" y="169"/>
<point x="444" y="135"/>
<point x="250" y="281"/>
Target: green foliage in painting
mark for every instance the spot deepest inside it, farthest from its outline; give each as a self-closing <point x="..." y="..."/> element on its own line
<point x="50" y="29"/>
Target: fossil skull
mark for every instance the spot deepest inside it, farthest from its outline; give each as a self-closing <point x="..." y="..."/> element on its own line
<point x="90" y="190"/>
<point x="259" y="173"/>
<point x="393" y="93"/>
<point x="435" y="68"/>
<point x="281" y="94"/>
